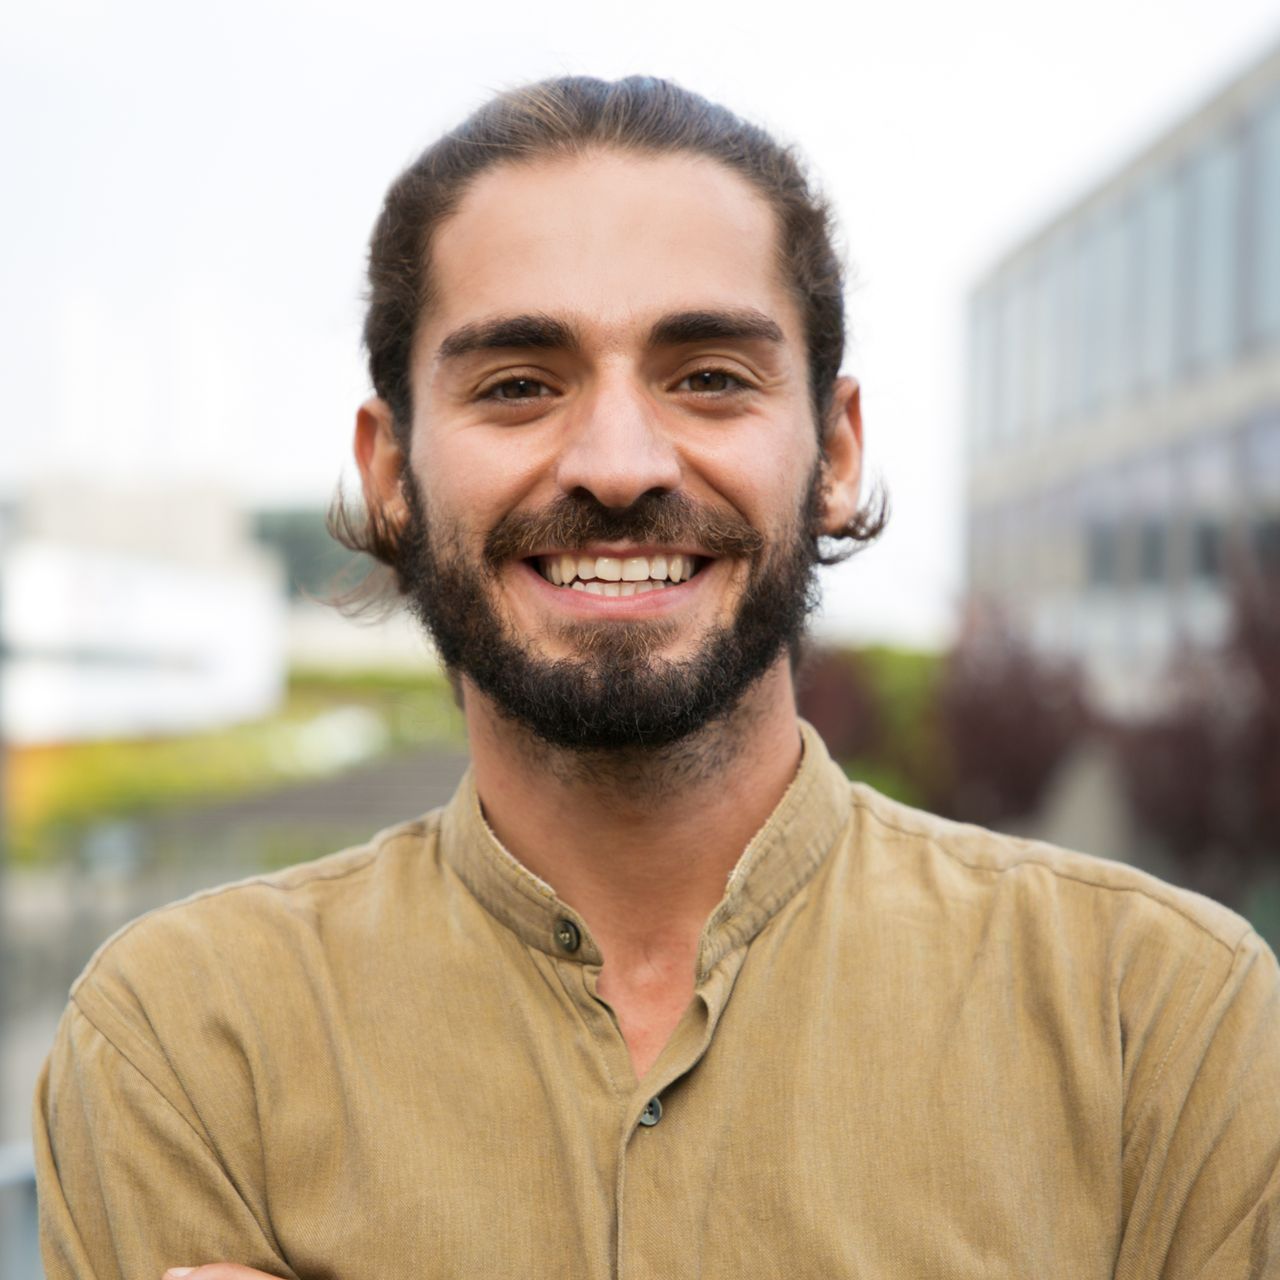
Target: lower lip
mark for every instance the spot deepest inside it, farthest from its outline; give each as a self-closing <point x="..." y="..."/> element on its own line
<point x="648" y="604"/>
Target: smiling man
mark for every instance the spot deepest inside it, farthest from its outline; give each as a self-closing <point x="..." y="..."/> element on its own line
<point x="659" y="993"/>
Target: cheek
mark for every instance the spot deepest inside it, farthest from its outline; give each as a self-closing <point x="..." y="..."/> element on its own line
<point x="766" y="484"/>
<point x="477" y="474"/>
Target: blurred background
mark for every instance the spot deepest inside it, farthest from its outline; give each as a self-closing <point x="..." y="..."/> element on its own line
<point x="1063" y="226"/>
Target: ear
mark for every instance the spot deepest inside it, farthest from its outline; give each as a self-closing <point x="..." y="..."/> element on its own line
<point x="381" y="460"/>
<point x="842" y="456"/>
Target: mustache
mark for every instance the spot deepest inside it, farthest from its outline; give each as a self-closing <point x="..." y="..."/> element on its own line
<point x="671" y="519"/>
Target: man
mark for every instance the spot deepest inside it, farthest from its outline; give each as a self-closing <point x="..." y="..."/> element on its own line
<point x="659" y="993"/>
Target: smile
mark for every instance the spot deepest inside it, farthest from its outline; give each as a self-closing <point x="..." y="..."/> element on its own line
<point x="618" y="575"/>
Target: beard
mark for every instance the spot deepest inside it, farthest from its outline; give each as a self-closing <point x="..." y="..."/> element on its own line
<point x="616" y="693"/>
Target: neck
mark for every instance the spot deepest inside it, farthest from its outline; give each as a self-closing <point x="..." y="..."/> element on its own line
<point x="640" y="843"/>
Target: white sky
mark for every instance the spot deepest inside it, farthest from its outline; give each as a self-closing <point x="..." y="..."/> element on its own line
<point x="188" y="191"/>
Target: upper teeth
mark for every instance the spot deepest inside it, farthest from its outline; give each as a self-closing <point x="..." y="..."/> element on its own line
<point x="563" y="569"/>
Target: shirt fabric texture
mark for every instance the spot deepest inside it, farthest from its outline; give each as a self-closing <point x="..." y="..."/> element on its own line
<point x="916" y="1049"/>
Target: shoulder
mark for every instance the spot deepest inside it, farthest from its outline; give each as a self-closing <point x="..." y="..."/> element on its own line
<point x="1084" y="894"/>
<point x="236" y="937"/>
<point x="1090" y="950"/>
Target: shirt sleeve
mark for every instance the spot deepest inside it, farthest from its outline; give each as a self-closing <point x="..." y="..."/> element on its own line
<point x="128" y="1180"/>
<point x="1202" y="1155"/>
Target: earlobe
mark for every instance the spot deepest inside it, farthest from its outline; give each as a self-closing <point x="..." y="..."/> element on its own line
<point x="842" y="456"/>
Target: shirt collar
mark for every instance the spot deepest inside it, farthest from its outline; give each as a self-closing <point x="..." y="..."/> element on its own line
<point x="780" y="858"/>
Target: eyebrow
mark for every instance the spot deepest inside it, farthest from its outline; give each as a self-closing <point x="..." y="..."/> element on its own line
<point x="681" y="327"/>
<point x="542" y="333"/>
<point x="545" y="333"/>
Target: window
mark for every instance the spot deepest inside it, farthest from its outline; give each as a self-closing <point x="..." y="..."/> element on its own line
<point x="1214" y="191"/>
<point x="1266" y="542"/>
<point x="1262" y="462"/>
<point x="1151" y="552"/>
<point x="1060" y="336"/>
<point x="1044" y="342"/>
<point x="1264" y="266"/>
<point x="1013" y="356"/>
<point x="1089" y="330"/>
<point x="1157" y="271"/>
<point x="1207" y="550"/>
<point x="979" y="382"/>
<point x="1101" y="553"/>
<point x="1114" y="319"/>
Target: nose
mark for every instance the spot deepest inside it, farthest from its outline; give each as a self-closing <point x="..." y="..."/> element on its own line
<point x="618" y="449"/>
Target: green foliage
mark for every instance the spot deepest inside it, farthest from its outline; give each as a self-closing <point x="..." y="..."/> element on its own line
<point x="905" y="754"/>
<point x="327" y="722"/>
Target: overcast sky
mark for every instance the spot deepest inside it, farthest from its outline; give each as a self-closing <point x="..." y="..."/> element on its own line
<point x="188" y="191"/>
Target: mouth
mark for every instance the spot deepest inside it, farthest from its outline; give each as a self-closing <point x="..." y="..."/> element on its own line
<point x="618" y="575"/>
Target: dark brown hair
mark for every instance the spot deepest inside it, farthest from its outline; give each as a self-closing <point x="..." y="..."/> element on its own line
<point x="566" y="117"/>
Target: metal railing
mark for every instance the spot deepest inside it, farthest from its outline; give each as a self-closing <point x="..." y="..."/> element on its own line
<point x="19" y="1242"/>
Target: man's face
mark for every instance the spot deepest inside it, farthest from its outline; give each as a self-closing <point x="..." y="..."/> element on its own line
<point x="614" y="467"/>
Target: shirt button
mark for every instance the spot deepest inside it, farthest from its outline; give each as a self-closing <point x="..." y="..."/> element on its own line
<point x="652" y="1112"/>
<point x="567" y="935"/>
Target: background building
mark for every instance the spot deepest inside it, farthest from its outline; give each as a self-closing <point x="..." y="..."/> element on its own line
<point x="1124" y="441"/>
<point x="151" y="612"/>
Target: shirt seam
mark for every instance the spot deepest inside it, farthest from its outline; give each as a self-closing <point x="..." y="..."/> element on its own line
<point x="142" y="1075"/>
<point x="1056" y="872"/>
<point x="267" y="1229"/>
<point x="1174" y="1041"/>
<point x="1148" y="1097"/>
<point x="255" y="882"/>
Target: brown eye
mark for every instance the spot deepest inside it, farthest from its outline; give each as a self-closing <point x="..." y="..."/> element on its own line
<point x="519" y="389"/>
<point x="712" y="381"/>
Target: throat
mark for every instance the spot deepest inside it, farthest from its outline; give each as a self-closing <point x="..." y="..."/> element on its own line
<point x="647" y="1015"/>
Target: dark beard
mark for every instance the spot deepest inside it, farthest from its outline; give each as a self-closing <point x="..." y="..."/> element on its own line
<point x="617" y="694"/>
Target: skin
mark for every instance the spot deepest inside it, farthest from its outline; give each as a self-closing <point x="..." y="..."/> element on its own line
<point x="608" y="245"/>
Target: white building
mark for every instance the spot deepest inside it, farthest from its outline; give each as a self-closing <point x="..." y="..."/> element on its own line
<point x="1124" y="441"/>
<point x="126" y="614"/>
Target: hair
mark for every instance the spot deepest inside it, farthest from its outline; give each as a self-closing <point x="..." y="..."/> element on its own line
<point x="567" y="117"/>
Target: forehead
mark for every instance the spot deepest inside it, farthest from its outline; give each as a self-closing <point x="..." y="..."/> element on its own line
<point x="610" y="240"/>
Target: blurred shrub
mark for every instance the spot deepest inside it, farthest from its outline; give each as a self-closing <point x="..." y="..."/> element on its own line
<point x="975" y="734"/>
<point x="873" y="708"/>
<point x="1007" y="718"/>
<point x="1203" y="775"/>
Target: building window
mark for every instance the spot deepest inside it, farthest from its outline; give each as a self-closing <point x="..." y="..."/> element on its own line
<point x="1101" y="553"/>
<point x="1264" y="267"/>
<point x="1266" y="542"/>
<point x="1016" y="384"/>
<point x="1044" y="342"/>
<point x="979" y="393"/>
<point x="1157" y="275"/>
<point x="1115" y="316"/>
<point x="1151" y="552"/>
<point x="1214" y="190"/>
<point x="1090" y="337"/>
<point x="1207" y="545"/>
<point x="1064" y="286"/>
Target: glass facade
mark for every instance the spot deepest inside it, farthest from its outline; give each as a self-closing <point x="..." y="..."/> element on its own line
<point x="1113" y="316"/>
<point x="1157" y="271"/>
<point x="1213" y="202"/>
<point x="1264" y="259"/>
<point x="1130" y="319"/>
<point x="1160" y="286"/>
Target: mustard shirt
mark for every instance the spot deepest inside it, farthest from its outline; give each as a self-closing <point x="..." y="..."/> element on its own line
<point x="917" y="1049"/>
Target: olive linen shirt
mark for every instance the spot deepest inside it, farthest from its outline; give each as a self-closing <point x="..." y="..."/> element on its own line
<point x="916" y="1049"/>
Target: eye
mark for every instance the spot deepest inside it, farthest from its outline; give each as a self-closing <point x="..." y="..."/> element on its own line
<point x="517" y="389"/>
<point x="711" y="382"/>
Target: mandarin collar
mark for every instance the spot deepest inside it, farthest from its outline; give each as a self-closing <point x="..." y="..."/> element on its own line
<point x="779" y="859"/>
